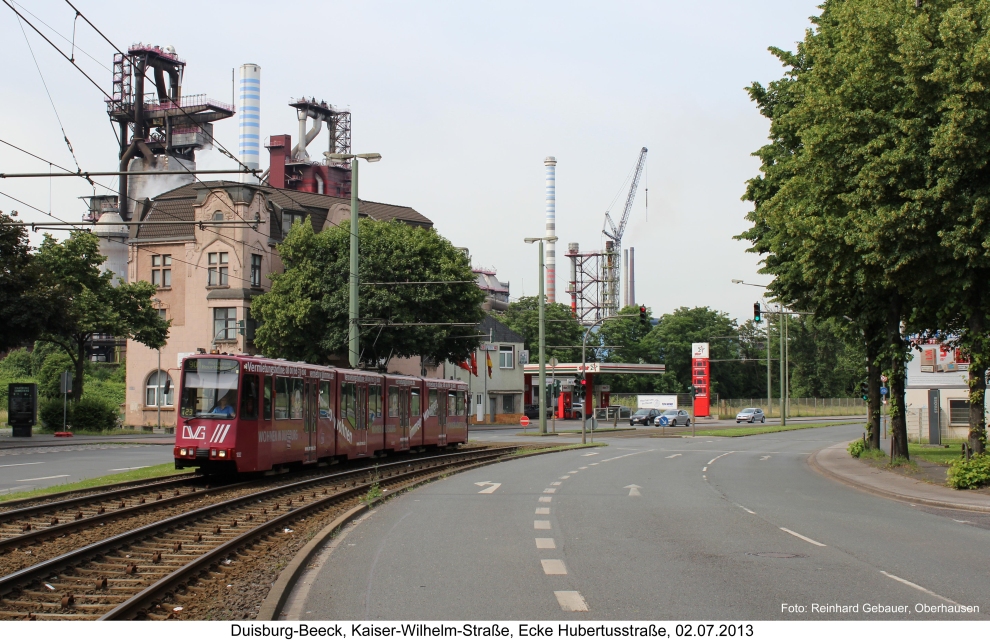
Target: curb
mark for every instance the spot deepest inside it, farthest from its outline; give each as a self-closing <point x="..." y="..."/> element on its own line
<point x="271" y="607"/>
<point x="814" y="464"/>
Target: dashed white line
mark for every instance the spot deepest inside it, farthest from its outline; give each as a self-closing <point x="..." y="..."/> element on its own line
<point x="23" y="464"/>
<point x="766" y="457"/>
<point x="541" y="524"/>
<point x="66" y="475"/>
<point x="965" y="522"/>
<point x="574" y="471"/>
<point x="588" y="455"/>
<point x="918" y="587"/>
<point x="704" y="468"/>
<point x="804" y="538"/>
<point x="571" y="601"/>
<point x="674" y="456"/>
<point x="545" y="498"/>
<point x="550" y="490"/>
<point x="562" y="478"/>
<point x="746" y="510"/>
<point x="553" y="567"/>
<point x="594" y="464"/>
<point x="125" y="469"/>
<point x="542" y="511"/>
<point x="555" y="483"/>
<point x="545" y="543"/>
<point x="582" y="467"/>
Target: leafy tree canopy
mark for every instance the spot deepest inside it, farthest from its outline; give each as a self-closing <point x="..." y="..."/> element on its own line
<point x="25" y="300"/>
<point x="305" y="315"/>
<point x="560" y="328"/>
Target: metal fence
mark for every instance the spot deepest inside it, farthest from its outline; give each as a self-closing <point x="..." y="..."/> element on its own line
<point x="796" y="406"/>
<point x="917" y="427"/>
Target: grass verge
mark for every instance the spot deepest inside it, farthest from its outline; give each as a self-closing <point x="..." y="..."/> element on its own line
<point x="936" y="454"/>
<point x="536" y="434"/>
<point x="563" y="447"/>
<point x="144" y="473"/>
<point x="759" y="430"/>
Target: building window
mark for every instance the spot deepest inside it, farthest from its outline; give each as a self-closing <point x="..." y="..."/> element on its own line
<point x="958" y="411"/>
<point x="155" y="390"/>
<point x="218" y="216"/>
<point x="217" y="270"/>
<point x="224" y="323"/>
<point x="505" y="357"/>
<point x="161" y="271"/>
<point x="508" y="404"/>
<point x="163" y="313"/>
<point x="256" y="271"/>
<point x="290" y="219"/>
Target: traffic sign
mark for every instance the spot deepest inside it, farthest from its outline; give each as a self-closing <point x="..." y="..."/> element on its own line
<point x="524" y="421"/>
<point x="883" y="378"/>
<point x="664" y="421"/>
<point x="884" y="390"/>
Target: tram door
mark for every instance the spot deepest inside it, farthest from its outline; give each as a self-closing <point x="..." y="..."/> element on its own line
<point x="361" y="434"/>
<point x="442" y="417"/>
<point x="404" y="417"/>
<point x="311" y="410"/>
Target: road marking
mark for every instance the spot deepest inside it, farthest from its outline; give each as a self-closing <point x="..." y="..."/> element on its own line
<point x="627" y="455"/>
<point x="571" y="601"/>
<point x="721" y="456"/>
<point x="805" y="538"/>
<point x="574" y="471"/>
<point x="542" y="510"/>
<point x="545" y="543"/>
<point x="555" y="484"/>
<point x="965" y="522"/>
<point x="746" y="510"/>
<point x="550" y="490"/>
<point x="546" y="498"/>
<point x="23" y="486"/>
<point x="125" y="469"/>
<point x="541" y="524"/>
<point x="491" y="489"/>
<point x="23" y="464"/>
<point x="582" y="467"/>
<point x="704" y="468"/>
<point x="553" y="567"/>
<point x="45" y="478"/>
<point x="594" y="464"/>
<point x="918" y="587"/>
<point x="766" y="457"/>
<point x="562" y="478"/>
<point x="588" y="455"/>
<point x="674" y="456"/>
<point x="633" y="489"/>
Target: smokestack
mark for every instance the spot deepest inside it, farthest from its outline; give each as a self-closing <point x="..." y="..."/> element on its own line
<point x="551" y="247"/>
<point x="625" y="286"/>
<point x="249" y="123"/>
<point x="631" y="280"/>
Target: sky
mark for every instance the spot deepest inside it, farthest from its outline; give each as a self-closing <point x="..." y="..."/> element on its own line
<point x="463" y="101"/>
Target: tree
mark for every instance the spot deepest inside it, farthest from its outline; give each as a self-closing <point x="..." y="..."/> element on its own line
<point x="89" y="302"/>
<point x="562" y="333"/>
<point x="24" y="296"/>
<point x="305" y="314"/>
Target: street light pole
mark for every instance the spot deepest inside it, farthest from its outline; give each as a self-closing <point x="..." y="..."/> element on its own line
<point x="353" y="338"/>
<point x="782" y="322"/>
<point x="543" y="360"/>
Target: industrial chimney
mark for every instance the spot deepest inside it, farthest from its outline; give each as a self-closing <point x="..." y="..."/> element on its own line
<point x="551" y="248"/>
<point x="249" y="124"/>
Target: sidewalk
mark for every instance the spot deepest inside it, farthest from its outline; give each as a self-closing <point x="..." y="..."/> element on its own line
<point x="836" y="463"/>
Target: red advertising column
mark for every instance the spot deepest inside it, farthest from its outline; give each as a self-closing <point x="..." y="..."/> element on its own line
<point x="700" y="378"/>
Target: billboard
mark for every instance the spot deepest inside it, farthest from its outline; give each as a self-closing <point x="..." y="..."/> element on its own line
<point x="661" y="402"/>
<point x="935" y="365"/>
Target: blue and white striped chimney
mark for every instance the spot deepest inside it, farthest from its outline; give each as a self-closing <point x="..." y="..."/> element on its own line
<point x="249" y="123"/>
<point x="551" y="248"/>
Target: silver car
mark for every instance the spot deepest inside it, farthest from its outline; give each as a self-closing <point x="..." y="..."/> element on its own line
<point x="750" y="415"/>
<point x="674" y="417"/>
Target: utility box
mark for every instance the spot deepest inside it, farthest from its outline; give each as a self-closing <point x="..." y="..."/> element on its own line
<point x="22" y="408"/>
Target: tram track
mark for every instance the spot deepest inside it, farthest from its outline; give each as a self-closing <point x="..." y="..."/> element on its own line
<point x="132" y="574"/>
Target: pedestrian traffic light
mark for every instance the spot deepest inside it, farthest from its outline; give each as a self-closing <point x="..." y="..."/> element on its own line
<point x="644" y="318"/>
<point x="864" y="390"/>
<point x="757" y="316"/>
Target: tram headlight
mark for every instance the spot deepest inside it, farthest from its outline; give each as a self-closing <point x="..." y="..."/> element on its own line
<point x="223" y="453"/>
<point x="182" y="452"/>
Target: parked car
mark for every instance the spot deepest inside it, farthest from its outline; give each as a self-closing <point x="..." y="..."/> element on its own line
<point x="644" y="417"/>
<point x="750" y="415"/>
<point x="674" y="417"/>
<point x="532" y="411"/>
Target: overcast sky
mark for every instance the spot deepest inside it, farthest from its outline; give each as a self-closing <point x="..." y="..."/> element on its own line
<point x="463" y="101"/>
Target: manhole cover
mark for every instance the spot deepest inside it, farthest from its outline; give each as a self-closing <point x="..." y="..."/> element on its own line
<point x="776" y="554"/>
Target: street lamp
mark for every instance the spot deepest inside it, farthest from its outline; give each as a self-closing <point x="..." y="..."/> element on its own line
<point x="543" y="361"/>
<point x="353" y="336"/>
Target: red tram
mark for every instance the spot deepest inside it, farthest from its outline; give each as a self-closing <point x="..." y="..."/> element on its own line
<point x="243" y="413"/>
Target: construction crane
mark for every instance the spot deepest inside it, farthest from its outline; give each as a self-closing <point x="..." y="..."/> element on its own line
<point x="612" y="264"/>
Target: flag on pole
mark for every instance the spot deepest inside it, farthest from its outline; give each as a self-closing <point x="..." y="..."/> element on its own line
<point x="474" y="364"/>
<point x="464" y="364"/>
<point x="488" y="360"/>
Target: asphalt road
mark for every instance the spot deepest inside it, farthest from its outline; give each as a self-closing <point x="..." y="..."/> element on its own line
<point x="724" y="529"/>
<point x="26" y="468"/>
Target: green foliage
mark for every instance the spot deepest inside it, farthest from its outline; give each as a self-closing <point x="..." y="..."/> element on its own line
<point x="560" y="328"/>
<point x="856" y="447"/>
<point x="50" y="415"/>
<point x="825" y="360"/>
<point x="16" y="365"/>
<point x="49" y="376"/>
<point x="90" y="414"/>
<point x="969" y="474"/>
<point x="305" y="315"/>
<point x="25" y="299"/>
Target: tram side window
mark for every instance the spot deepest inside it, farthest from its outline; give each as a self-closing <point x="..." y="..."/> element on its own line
<point x="324" y="399"/>
<point x="434" y="407"/>
<point x="452" y="397"/>
<point x="296" y="404"/>
<point x="282" y="398"/>
<point x="459" y="402"/>
<point x="393" y="401"/>
<point x="348" y="404"/>
<point x="267" y="410"/>
<point x="414" y="409"/>
<point x="249" y="397"/>
<point x="374" y="402"/>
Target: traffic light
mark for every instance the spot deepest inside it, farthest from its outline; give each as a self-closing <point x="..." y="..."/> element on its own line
<point x="691" y="389"/>
<point x="864" y="391"/>
<point x="757" y="315"/>
<point x="644" y="318"/>
<point x="583" y="382"/>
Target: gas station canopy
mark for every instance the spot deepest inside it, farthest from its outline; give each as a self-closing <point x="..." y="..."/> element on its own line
<point x="597" y="368"/>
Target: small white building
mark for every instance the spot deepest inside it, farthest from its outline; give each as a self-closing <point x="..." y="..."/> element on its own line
<point x="937" y="392"/>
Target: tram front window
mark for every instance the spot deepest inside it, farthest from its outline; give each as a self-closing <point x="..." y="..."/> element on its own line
<point x="209" y="388"/>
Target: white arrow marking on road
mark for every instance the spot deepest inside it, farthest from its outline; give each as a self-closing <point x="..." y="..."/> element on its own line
<point x="633" y="489"/>
<point x="491" y="489"/>
<point x="674" y="456"/>
<point x="766" y="457"/>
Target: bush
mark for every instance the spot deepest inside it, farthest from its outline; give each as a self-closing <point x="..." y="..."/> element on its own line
<point x="856" y="447"/>
<point x="92" y="414"/>
<point x="969" y="474"/>
<point x="49" y="376"/>
<point x="50" y="414"/>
